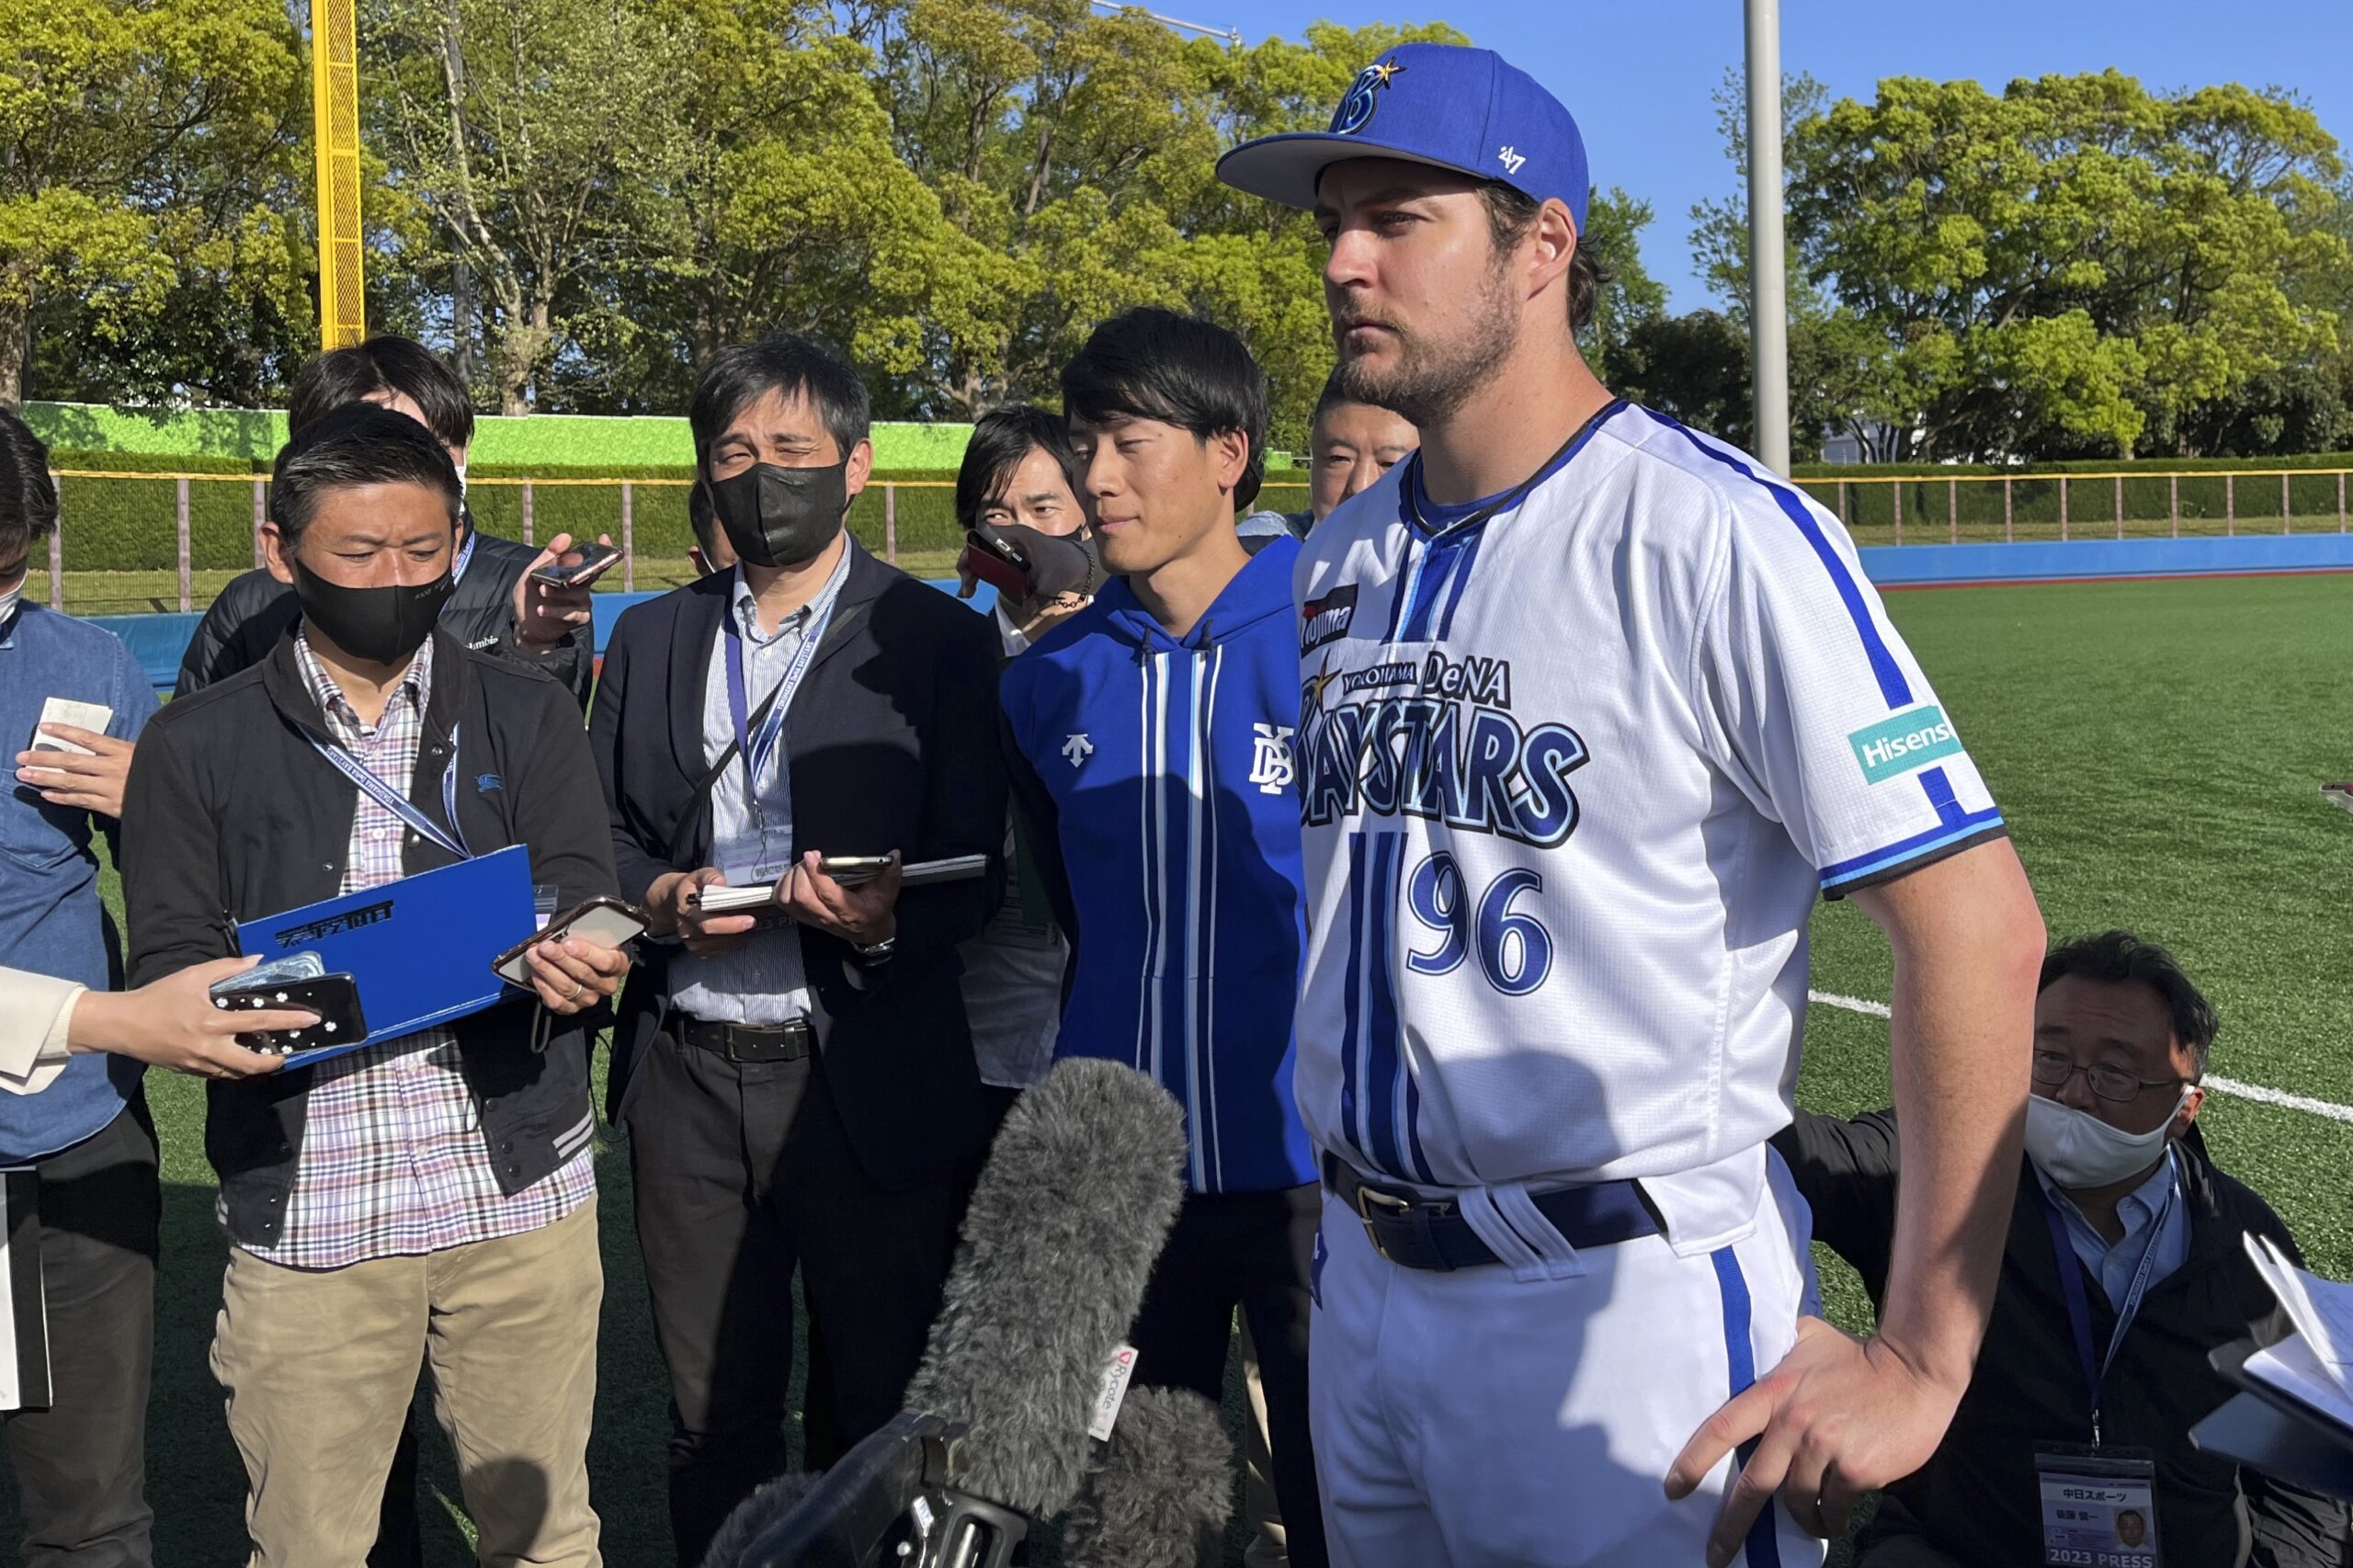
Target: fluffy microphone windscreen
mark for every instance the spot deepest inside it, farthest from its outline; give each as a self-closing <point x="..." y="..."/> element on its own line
<point x="1069" y="1215"/>
<point x="1161" y="1490"/>
<point x="731" y="1548"/>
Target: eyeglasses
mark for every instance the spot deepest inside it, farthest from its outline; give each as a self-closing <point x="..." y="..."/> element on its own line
<point x="2054" y="1068"/>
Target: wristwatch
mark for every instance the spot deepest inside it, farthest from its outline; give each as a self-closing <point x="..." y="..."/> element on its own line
<point x="871" y="954"/>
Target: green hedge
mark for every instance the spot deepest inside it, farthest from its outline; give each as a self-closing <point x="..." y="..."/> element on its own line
<point x="121" y="525"/>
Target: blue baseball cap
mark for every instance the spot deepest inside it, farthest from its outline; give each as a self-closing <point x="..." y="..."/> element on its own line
<point x="1466" y="109"/>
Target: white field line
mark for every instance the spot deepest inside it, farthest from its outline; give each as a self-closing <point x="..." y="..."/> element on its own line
<point x="2255" y="1092"/>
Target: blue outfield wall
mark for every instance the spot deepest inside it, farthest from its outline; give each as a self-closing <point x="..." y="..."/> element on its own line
<point x="1914" y="565"/>
<point x="158" y="641"/>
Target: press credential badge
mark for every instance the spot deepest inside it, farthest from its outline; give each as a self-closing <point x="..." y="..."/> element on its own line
<point x="2098" y="1507"/>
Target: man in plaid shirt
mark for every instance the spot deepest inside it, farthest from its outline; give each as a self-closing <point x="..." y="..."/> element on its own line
<point x="428" y="1197"/>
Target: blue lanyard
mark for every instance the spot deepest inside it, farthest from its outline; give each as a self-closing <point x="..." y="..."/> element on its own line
<point x="2070" y="1284"/>
<point x="384" y="795"/>
<point x="756" y="749"/>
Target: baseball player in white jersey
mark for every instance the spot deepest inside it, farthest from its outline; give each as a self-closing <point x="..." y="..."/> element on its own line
<point x="1594" y="707"/>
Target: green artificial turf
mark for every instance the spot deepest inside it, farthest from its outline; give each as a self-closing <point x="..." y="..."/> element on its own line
<point x="2156" y="747"/>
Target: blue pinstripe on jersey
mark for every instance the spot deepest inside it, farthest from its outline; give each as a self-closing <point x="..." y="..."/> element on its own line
<point x="1379" y="1103"/>
<point x="1763" y="1547"/>
<point x="1381" y="1092"/>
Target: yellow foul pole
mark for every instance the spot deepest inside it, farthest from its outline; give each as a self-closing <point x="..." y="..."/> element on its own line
<point x="335" y="110"/>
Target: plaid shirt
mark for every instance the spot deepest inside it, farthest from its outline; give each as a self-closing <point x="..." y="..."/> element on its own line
<point x="393" y="1162"/>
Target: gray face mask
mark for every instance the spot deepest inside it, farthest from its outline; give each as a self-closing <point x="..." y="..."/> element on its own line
<point x="2078" y="1150"/>
<point x="782" y="517"/>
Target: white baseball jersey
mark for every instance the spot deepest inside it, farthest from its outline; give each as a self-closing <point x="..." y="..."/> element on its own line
<point x="1573" y="776"/>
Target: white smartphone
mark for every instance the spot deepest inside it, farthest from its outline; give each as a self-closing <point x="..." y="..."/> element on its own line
<point x="2338" y="795"/>
<point x="92" y="716"/>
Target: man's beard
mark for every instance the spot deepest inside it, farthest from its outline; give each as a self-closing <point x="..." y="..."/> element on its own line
<point x="1430" y="382"/>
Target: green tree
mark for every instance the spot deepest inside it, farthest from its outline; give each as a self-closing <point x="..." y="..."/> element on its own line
<point x="1630" y="297"/>
<point x="144" y="157"/>
<point x="522" y="129"/>
<point x="2054" y="270"/>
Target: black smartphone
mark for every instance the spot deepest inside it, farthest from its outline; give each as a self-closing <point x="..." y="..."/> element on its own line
<point x="333" y="998"/>
<point x="596" y="560"/>
<point x="997" y="563"/>
<point x="851" y="869"/>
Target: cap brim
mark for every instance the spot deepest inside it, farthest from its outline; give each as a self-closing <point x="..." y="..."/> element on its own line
<point x="1286" y="168"/>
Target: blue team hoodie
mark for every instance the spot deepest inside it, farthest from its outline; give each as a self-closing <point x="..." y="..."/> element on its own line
<point x="1167" y="765"/>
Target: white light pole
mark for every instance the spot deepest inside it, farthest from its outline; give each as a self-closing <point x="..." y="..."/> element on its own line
<point x="1768" y="310"/>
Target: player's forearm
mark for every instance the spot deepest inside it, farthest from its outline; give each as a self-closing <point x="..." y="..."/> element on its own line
<point x="1968" y="942"/>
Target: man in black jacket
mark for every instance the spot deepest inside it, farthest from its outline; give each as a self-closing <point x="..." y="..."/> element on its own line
<point x="494" y="606"/>
<point x="429" y="1199"/>
<point x="2155" y="1256"/>
<point x="799" y="1087"/>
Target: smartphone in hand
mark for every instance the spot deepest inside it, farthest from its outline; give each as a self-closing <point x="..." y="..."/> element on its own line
<point x="603" y="922"/>
<point x="596" y="560"/>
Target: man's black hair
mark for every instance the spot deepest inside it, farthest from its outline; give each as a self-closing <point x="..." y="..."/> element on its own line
<point x="1001" y="439"/>
<point x="357" y="444"/>
<point x="702" y="519"/>
<point x="382" y="365"/>
<point x="28" y="496"/>
<point x="1510" y="210"/>
<point x="2120" y="958"/>
<point x="785" y="362"/>
<point x="1155" y="364"/>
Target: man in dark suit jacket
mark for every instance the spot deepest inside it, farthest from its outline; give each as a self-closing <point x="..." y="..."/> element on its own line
<point x="799" y="1087"/>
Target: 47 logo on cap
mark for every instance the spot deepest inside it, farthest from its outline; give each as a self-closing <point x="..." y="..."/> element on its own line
<point x="1904" y="742"/>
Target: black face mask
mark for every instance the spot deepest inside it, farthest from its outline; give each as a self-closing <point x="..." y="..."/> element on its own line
<point x="382" y="626"/>
<point x="782" y="517"/>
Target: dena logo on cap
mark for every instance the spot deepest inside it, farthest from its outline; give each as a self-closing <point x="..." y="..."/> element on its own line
<point x="1902" y="742"/>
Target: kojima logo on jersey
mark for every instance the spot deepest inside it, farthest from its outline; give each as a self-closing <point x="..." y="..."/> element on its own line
<point x="1326" y="620"/>
<point x="1904" y="742"/>
<point x="1435" y="738"/>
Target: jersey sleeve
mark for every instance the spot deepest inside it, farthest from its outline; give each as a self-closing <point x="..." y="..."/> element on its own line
<point x="1818" y="710"/>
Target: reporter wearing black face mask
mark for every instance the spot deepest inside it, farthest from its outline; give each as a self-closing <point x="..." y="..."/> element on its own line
<point x="442" y="1176"/>
<point x="799" y="1086"/>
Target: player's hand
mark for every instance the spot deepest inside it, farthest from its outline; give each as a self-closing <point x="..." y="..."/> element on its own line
<point x="171" y="1023"/>
<point x="575" y="974"/>
<point x="668" y="901"/>
<point x="862" y="915"/>
<point x="544" y="614"/>
<point x="68" y="778"/>
<point x="1840" y="1417"/>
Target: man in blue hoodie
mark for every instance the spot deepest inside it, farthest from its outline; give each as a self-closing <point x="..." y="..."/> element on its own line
<point x="1149" y="740"/>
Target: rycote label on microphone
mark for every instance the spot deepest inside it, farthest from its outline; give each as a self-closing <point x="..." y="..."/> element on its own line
<point x="1114" y="1390"/>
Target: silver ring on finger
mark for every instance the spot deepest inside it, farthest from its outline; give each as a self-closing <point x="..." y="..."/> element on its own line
<point x="579" y="987"/>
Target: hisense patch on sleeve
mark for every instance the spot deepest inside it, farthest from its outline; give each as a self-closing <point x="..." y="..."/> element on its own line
<point x="1904" y="742"/>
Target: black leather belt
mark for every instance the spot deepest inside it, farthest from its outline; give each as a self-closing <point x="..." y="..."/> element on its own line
<point x="1420" y="1232"/>
<point x="749" y="1043"/>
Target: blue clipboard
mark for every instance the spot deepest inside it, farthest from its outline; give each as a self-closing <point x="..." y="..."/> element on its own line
<point x="419" y="948"/>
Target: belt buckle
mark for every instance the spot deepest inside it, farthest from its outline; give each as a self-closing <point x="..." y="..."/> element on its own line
<point x="746" y="1055"/>
<point x="1389" y="1203"/>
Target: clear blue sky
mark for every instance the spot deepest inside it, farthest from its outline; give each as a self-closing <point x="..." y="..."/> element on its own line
<point x="1637" y="74"/>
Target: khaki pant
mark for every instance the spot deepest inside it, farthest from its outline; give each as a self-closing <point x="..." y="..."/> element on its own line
<point x="319" y="1366"/>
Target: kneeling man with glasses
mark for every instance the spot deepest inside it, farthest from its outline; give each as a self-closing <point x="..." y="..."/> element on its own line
<point x="2126" y="1264"/>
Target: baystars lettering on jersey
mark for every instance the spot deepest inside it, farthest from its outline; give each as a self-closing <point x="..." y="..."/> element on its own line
<point x="1572" y="779"/>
